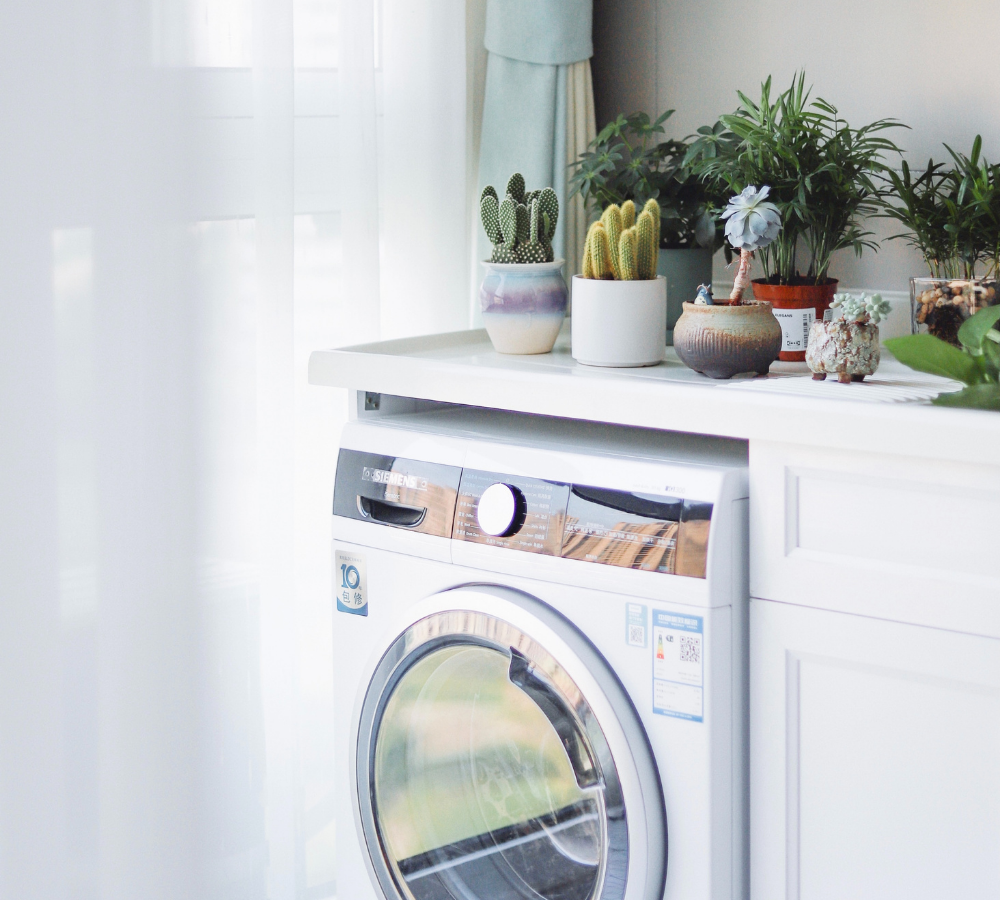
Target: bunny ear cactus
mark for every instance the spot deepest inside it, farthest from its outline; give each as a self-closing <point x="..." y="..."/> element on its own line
<point x="533" y="251"/>
<point x="506" y="250"/>
<point x="548" y="202"/>
<point x="515" y="187"/>
<point x="489" y="211"/>
<point x="509" y="225"/>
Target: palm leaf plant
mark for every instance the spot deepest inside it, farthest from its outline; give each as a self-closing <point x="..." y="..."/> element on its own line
<point x="952" y="214"/>
<point x="822" y="174"/>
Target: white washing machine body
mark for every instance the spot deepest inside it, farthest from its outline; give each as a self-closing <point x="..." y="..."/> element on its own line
<point x="552" y="711"/>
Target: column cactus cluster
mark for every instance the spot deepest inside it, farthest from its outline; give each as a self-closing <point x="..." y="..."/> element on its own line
<point x="622" y="246"/>
<point x="522" y="226"/>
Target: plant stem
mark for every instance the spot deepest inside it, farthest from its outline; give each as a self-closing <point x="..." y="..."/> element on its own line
<point x="742" y="280"/>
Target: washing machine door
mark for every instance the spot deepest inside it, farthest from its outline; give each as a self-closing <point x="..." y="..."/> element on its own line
<point x="499" y="758"/>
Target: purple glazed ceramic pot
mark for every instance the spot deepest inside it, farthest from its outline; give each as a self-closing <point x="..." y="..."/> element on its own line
<point x="523" y="305"/>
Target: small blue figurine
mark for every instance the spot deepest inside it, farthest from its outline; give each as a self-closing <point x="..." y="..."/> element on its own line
<point x="704" y="296"/>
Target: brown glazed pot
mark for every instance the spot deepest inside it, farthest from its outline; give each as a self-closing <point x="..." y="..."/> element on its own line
<point x="796" y="296"/>
<point x="721" y="341"/>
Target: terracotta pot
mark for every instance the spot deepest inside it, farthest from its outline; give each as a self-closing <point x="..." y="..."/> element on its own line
<point x="848" y="350"/>
<point x="721" y="341"/>
<point x="796" y="307"/>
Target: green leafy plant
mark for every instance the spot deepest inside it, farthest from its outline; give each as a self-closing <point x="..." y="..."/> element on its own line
<point x="822" y="174"/>
<point x="522" y="226"/>
<point x="952" y="214"/>
<point x="629" y="161"/>
<point x="976" y="363"/>
<point x="623" y="246"/>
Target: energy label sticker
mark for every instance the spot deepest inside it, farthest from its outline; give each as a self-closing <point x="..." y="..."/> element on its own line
<point x="678" y="665"/>
<point x="351" y="583"/>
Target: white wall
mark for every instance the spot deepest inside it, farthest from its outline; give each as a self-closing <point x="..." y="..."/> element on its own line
<point x="925" y="63"/>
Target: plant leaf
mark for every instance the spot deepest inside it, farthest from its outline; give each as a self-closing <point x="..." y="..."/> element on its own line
<point x="973" y="330"/>
<point x="978" y="396"/>
<point x="927" y="353"/>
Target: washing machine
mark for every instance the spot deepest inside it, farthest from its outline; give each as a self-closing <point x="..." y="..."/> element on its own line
<point x="541" y="652"/>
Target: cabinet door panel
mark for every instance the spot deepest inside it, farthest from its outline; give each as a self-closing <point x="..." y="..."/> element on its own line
<point x="887" y="536"/>
<point x="874" y="758"/>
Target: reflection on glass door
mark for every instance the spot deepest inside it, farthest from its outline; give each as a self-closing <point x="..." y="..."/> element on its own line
<point x="475" y="792"/>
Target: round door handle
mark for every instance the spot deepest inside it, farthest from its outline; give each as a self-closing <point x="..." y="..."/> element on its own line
<point x="501" y="510"/>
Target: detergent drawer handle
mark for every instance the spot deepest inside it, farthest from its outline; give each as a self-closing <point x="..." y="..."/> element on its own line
<point x="390" y="513"/>
<point x="525" y="676"/>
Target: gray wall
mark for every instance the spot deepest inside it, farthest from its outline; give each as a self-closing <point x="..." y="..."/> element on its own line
<point x="931" y="65"/>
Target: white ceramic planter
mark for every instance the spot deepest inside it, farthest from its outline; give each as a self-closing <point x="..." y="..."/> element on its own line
<point x="619" y="323"/>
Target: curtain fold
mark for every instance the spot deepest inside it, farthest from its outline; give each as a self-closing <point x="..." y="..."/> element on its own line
<point x="538" y="107"/>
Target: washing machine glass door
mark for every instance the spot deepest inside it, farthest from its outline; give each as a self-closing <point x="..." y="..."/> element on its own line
<point x="483" y="773"/>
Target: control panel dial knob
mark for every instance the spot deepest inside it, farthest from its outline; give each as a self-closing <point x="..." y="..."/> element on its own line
<point x="501" y="510"/>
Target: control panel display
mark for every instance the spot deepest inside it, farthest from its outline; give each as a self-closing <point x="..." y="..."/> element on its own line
<point x="617" y="528"/>
<point x="648" y="532"/>
<point x="527" y="513"/>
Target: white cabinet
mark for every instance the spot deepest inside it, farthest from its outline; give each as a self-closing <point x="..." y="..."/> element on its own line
<point x="894" y="537"/>
<point x="874" y="756"/>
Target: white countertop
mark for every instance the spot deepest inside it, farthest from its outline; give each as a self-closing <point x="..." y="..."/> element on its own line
<point x="889" y="413"/>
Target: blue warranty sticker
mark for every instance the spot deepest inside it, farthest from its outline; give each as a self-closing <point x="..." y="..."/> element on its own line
<point x="351" y="583"/>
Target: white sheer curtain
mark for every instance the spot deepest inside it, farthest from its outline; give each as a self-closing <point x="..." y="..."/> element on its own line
<point x="186" y="186"/>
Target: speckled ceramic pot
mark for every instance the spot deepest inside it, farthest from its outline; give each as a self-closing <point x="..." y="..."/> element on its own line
<point x="848" y="350"/>
<point x="721" y="341"/>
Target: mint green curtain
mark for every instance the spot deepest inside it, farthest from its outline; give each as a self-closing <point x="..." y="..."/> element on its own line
<point x="532" y="44"/>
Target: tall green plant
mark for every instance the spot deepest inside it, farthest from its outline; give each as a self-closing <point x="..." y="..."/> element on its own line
<point x="822" y="174"/>
<point x="952" y="214"/>
<point x="628" y="160"/>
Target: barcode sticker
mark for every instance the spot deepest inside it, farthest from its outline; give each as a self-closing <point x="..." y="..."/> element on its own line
<point x="795" y="325"/>
<point x="678" y="644"/>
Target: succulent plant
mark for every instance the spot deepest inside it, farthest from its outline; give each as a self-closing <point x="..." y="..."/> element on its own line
<point x="613" y="251"/>
<point x="753" y="224"/>
<point x="862" y="308"/>
<point x="510" y="225"/>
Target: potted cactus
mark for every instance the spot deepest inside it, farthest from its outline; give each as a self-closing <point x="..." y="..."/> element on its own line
<point x="725" y="339"/>
<point x="630" y="160"/>
<point x="848" y="345"/>
<point x="523" y="296"/>
<point x="619" y="302"/>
